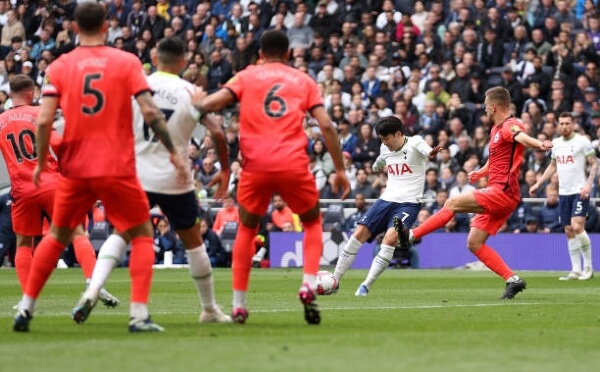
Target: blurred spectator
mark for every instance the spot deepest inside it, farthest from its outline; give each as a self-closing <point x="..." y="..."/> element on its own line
<point x="322" y="156"/>
<point x="229" y="213"/>
<point x="166" y="240"/>
<point x="282" y="214"/>
<point x="550" y="212"/>
<point x="214" y="248"/>
<point x="367" y="146"/>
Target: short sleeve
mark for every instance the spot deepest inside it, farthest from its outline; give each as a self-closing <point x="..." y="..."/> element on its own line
<point x="235" y="85"/>
<point x="51" y="84"/>
<point x="511" y="130"/>
<point x="137" y="80"/>
<point x="422" y="146"/>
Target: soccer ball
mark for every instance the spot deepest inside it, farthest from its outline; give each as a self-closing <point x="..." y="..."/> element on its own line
<point x="326" y="283"/>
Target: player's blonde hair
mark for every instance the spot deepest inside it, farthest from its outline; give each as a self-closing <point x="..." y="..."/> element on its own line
<point x="500" y="96"/>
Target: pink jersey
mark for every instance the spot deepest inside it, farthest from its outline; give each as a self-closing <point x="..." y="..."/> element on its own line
<point x="17" y="143"/>
<point x="274" y="99"/>
<point x="95" y="85"/>
<point x="506" y="157"/>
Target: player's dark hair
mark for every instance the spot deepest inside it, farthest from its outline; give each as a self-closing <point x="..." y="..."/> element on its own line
<point x="389" y="125"/>
<point x="170" y="50"/>
<point x="274" y="44"/>
<point x="90" y="17"/>
<point x="20" y="83"/>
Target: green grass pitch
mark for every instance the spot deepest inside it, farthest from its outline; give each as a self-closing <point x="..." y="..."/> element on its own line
<point x="413" y="320"/>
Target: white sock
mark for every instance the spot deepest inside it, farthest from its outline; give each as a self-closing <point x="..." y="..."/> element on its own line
<point x="109" y="256"/>
<point x="27" y="303"/>
<point x="138" y="310"/>
<point x="346" y="257"/>
<point x="239" y="299"/>
<point x="310" y="279"/>
<point x="574" y="245"/>
<point x="201" y="271"/>
<point x="513" y="279"/>
<point x="586" y="249"/>
<point x="380" y="264"/>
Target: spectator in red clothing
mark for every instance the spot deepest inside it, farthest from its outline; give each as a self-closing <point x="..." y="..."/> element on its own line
<point x="229" y="213"/>
<point x="281" y="213"/>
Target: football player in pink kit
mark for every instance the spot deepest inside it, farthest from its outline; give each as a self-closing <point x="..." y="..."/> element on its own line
<point x="274" y="99"/>
<point x="495" y="203"/>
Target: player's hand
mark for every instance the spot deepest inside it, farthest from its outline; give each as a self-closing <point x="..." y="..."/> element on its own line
<point x="434" y="151"/>
<point x="221" y="178"/>
<point x="37" y="173"/>
<point x="546" y="145"/>
<point x="474" y="176"/>
<point x="585" y="192"/>
<point x="182" y="167"/>
<point x="197" y="94"/>
<point x="533" y="189"/>
<point x="341" y="181"/>
<point x="380" y="163"/>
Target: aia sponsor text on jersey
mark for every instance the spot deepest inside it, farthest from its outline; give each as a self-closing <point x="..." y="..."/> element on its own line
<point x="398" y="169"/>
<point x="565" y="159"/>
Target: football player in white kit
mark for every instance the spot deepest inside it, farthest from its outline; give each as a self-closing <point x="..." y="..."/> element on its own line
<point x="404" y="159"/>
<point x="572" y="154"/>
<point x="175" y="197"/>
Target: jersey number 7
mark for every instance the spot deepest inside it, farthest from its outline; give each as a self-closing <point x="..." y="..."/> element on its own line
<point x="168" y="113"/>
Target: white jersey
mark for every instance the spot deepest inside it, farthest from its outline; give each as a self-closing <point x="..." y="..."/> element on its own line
<point x="154" y="168"/>
<point x="406" y="171"/>
<point x="570" y="156"/>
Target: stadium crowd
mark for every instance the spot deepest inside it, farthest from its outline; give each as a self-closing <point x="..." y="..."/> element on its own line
<point x="428" y="62"/>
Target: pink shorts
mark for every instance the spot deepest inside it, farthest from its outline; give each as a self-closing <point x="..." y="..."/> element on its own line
<point x="27" y="211"/>
<point x="297" y="188"/>
<point x="124" y="200"/>
<point x="498" y="208"/>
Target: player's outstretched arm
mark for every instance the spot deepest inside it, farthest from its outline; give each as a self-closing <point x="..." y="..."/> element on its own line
<point x="525" y="139"/>
<point x="222" y="177"/>
<point x="44" y="130"/>
<point x="333" y="145"/>
<point x="156" y="120"/>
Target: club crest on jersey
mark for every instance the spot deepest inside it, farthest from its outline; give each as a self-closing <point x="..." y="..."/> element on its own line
<point x="497" y="138"/>
<point x="398" y="169"/>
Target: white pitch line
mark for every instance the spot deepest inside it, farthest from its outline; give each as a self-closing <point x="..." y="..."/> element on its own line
<point x="295" y="309"/>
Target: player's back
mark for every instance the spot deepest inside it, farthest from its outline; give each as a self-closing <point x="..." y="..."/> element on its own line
<point x="17" y="142"/>
<point x="274" y="99"/>
<point x="155" y="170"/>
<point x="94" y="85"/>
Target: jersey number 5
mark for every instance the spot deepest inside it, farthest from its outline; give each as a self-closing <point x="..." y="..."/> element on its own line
<point x="274" y="106"/>
<point x="94" y="92"/>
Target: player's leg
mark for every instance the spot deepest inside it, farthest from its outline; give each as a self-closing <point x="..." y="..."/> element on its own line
<point x="84" y="252"/>
<point x="574" y="247"/>
<point x="23" y="258"/>
<point x="476" y="242"/>
<point x="407" y="213"/>
<point x="181" y="210"/>
<point x="24" y="212"/>
<point x="254" y="194"/>
<point x="348" y="254"/>
<point x="578" y="225"/>
<point x="299" y="191"/>
<point x="126" y="206"/>
<point x="463" y="203"/>
<point x="566" y="206"/>
<point x="70" y="200"/>
<point x="375" y="222"/>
